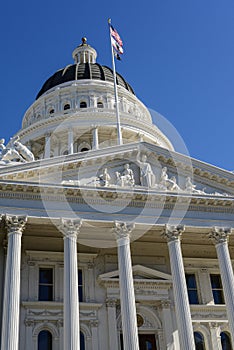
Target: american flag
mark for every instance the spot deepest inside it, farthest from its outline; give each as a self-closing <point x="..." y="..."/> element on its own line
<point x="116" y="42"/>
<point x="115" y="35"/>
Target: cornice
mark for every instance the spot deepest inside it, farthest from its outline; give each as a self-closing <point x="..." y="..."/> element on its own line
<point x="138" y="199"/>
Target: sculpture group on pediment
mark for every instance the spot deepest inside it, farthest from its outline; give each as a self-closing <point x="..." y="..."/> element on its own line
<point x="126" y="178"/>
<point x="14" y="151"/>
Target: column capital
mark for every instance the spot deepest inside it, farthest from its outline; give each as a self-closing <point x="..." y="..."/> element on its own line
<point x="70" y="227"/>
<point x="220" y="234"/>
<point x="111" y="302"/>
<point x="123" y="229"/>
<point x="93" y="323"/>
<point x="173" y="233"/>
<point x="165" y="304"/>
<point x="15" y="223"/>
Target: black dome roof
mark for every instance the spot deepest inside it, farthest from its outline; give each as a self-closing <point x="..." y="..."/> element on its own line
<point x="80" y="71"/>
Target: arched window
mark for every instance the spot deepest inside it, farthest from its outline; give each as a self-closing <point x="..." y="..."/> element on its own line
<point x="225" y="341"/>
<point x="82" y="341"/>
<point x="44" y="340"/>
<point x="83" y="104"/>
<point x="100" y="105"/>
<point x="199" y="341"/>
<point x="66" y="107"/>
<point x="51" y="111"/>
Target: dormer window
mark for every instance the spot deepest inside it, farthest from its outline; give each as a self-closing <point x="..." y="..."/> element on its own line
<point x="66" y="107"/>
<point x="83" y="104"/>
<point x="100" y="105"/>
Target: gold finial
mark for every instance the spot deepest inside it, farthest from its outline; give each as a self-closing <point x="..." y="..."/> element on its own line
<point x="84" y="40"/>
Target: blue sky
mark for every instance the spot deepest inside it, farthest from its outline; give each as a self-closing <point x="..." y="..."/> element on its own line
<point x="179" y="58"/>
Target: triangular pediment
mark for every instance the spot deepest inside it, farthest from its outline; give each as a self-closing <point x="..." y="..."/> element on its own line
<point x="106" y="168"/>
<point x="139" y="272"/>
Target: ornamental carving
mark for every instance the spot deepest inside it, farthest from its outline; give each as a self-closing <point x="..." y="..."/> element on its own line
<point x="15" y="223"/>
<point x="220" y="234"/>
<point x="70" y="227"/>
<point x="173" y="233"/>
<point x="123" y="229"/>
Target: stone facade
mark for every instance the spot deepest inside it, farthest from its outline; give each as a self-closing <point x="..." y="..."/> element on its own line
<point x="106" y="245"/>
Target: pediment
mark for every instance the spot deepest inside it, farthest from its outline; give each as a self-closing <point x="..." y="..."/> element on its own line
<point x="139" y="272"/>
<point x="171" y="172"/>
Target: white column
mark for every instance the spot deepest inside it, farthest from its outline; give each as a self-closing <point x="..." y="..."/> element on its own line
<point x="219" y="237"/>
<point x="215" y="336"/>
<point x="70" y="142"/>
<point x="127" y="298"/>
<point x="47" y="145"/>
<point x="11" y="303"/>
<point x="112" y="324"/>
<point x="70" y="229"/>
<point x="183" y="315"/>
<point x="95" y="138"/>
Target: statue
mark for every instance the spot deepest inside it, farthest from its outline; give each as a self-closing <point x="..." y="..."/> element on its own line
<point x="14" y="151"/>
<point x="146" y="174"/>
<point x="104" y="178"/>
<point x="23" y="151"/>
<point x="126" y="178"/>
<point x="167" y="183"/>
<point x="190" y="187"/>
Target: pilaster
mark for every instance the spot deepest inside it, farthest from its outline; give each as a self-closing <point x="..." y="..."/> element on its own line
<point x="112" y="324"/>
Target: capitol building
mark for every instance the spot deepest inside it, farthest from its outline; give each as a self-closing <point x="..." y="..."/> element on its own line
<point x="110" y="244"/>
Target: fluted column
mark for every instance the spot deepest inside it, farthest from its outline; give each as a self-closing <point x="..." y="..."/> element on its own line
<point x="220" y="237"/>
<point x="70" y="229"/>
<point x="11" y="303"/>
<point x="127" y="298"/>
<point x="183" y="315"/>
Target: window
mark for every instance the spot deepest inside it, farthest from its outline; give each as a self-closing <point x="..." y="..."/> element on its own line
<point x="217" y="289"/>
<point x="82" y="341"/>
<point x="66" y="106"/>
<point x="192" y="288"/>
<point x="199" y="341"/>
<point x="83" y="104"/>
<point x="45" y="284"/>
<point x="51" y="111"/>
<point x="80" y="284"/>
<point x="225" y="341"/>
<point x="100" y="105"/>
<point x="44" y="340"/>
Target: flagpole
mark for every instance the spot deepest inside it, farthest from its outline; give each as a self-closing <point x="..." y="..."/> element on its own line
<point x="119" y="133"/>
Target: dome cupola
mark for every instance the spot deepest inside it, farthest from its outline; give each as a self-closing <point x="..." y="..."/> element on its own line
<point x="84" y="53"/>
